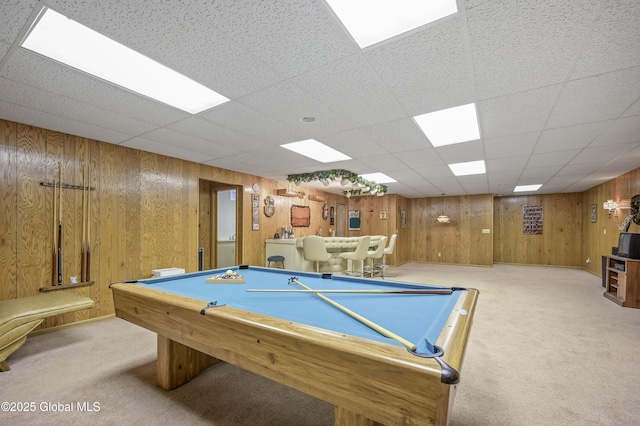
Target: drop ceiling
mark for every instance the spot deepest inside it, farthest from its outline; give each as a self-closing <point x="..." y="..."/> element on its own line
<point x="556" y="84"/>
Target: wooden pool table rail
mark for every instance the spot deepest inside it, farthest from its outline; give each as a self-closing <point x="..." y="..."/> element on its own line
<point x="365" y="380"/>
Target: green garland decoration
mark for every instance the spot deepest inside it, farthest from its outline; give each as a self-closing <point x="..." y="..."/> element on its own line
<point x="341" y="176"/>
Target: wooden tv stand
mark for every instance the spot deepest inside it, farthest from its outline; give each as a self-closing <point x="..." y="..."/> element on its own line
<point x="622" y="284"/>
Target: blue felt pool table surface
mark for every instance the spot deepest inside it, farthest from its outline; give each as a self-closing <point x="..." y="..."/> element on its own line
<point x="418" y="318"/>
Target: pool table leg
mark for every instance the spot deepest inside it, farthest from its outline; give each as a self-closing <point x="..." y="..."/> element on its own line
<point x="177" y="363"/>
<point x="344" y="417"/>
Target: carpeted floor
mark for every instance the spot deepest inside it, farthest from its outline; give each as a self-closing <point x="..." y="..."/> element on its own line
<point x="545" y="349"/>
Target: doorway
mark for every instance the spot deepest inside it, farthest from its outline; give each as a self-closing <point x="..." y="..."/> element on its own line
<point x="341" y="220"/>
<point x="219" y="225"/>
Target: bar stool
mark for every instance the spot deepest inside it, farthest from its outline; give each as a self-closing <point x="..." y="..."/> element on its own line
<point x="374" y="255"/>
<point x="314" y="249"/>
<point x="358" y="255"/>
<point x="388" y="250"/>
<point x="275" y="259"/>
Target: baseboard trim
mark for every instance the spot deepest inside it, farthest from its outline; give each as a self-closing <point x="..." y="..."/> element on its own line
<point x="73" y="324"/>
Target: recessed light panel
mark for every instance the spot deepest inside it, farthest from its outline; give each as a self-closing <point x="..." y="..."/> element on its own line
<point x="527" y="188"/>
<point x="372" y="21"/>
<point x="449" y="126"/>
<point x="61" y="39"/>
<point x="378" y="178"/>
<point x="318" y="151"/>
<point x="468" y="168"/>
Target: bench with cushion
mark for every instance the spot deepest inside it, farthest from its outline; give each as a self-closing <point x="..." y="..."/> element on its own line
<point x="18" y="317"/>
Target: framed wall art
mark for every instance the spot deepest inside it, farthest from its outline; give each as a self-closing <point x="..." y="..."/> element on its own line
<point x="300" y="216"/>
<point x="354" y="220"/>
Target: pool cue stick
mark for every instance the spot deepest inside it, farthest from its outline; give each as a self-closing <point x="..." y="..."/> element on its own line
<point x="88" y="274"/>
<point x="54" y="229"/>
<point x="415" y="291"/>
<point x="83" y="261"/>
<point x="60" y="225"/>
<point x="362" y="319"/>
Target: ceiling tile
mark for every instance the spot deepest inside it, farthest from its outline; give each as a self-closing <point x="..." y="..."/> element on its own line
<point x="537" y="175"/>
<point x="506" y="164"/>
<point x="420" y="158"/>
<point x="511" y="145"/>
<point x="598" y="98"/>
<point x="206" y="148"/>
<point x="352" y="143"/>
<point x="292" y="37"/>
<point x="164" y="149"/>
<point x="523" y="45"/>
<point x="434" y="172"/>
<point x="556" y="158"/>
<point x="613" y="42"/>
<point x="397" y="136"/>
<point x="37" y="99"/>
<point x="210" y="132"/>
<point x="15" y="14"/>
<point x="383" y="163"/>
<point x="623" y="130"/>
<point x="234" y="115"/>
<point x="602" y="154"/>
<point x="353" y="90"/>
<point x="287" y="103"/>
<point x="517" y="113"/>
<point x="430" y="69"/>
<point x="49" y="121"/>
<point x="570" y="137"/>
<point x="461" y="152"/>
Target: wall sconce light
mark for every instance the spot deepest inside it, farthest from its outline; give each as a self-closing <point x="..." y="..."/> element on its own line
<point x="612" y="206"/>
<point x="443" y="218"/>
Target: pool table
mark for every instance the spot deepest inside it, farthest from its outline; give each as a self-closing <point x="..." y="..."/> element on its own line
<point x="299" y="329"/>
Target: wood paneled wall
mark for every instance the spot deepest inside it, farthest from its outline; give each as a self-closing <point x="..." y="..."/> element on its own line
<point x="560" y="241"/>
<point x="372" y="223"/>
<point x="601" y="235"/>
<point x="144" y="213"/>
<point x="462" y="241"/>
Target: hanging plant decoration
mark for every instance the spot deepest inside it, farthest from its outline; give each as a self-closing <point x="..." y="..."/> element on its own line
<point x="345" y="177"/>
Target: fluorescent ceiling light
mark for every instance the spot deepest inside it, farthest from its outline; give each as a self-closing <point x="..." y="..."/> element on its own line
<point x="61" y="39"/>
<point x="449" y="126"/>
<point x="371" y="21"/>
<point x="527" y="188"/>
<point x="378" y="178"/>
<point x="313" y="149"/>
<point x="468" y="168"/>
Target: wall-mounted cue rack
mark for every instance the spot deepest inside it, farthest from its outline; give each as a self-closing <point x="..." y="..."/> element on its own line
<point x="58" y="234"/>
<point x="68" y="186"/>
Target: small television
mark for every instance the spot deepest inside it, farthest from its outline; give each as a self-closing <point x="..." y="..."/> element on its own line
<point x="629" y="245"/>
